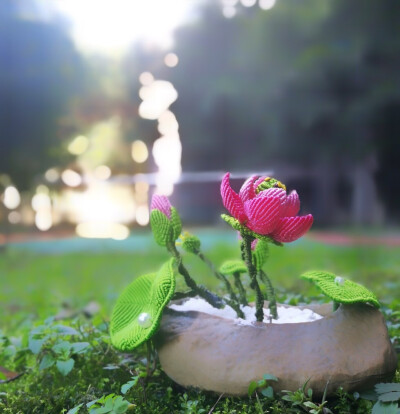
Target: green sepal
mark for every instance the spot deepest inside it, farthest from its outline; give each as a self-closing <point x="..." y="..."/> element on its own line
<point x="233" y="266"/>
<point x="147" y="294"/>
<point x="339" y="289"/>
<point x="245" y="230"/>
<point x="176" y="223"/>
<point x="260" y="254"/>
<point x="162" y="228"/>
<point x="191" y="243"/>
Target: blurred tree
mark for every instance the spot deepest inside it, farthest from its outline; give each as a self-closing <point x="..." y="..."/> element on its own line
<point x="40" y="73"/>
<point x="303" y="84"/>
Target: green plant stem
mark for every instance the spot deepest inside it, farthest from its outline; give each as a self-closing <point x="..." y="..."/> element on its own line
<point x="270" y="294"/>
<point x="240" y="288"/>
<point x="213" y="299"/>
<point x="234" y="302"/>
<point x="253" y="275"/>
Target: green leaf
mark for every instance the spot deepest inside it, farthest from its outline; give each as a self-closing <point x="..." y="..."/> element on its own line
<point x="268" y="392"/>
<point x="387" y="387"/>
<point x="382" y="408"/>
<point x="65" y="330"/>
<point x="148" y="294"/>
<point x="79" y="347"/>
<point x="65" y="367"/>
<point x="310" y="404"/>
<point x="369" y="395"/>
<point x="270" y="377"/>
<point x="339" y="289"/>
<point x="233" y="266"/>
<point x="46" y="362"/>
<point x="162" y="228"/>
<point x="120" y="405"/>
<point x="126" y="387"/>
<point x="390" y="396"/>
<point x="35" y="345"/>
<point x="252" y="387"/>
<point x="176" y="223"/>
<point x="75" y="409"/>
<point x="62" y="348"/>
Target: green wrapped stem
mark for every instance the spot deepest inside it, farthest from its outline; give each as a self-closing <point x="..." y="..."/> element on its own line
<point x="213" y="299"/>
<point x="253" y="275"/>
<point x="240" y="288"/>
<point x="270" y="294"/>
<point x="234" y="302"/>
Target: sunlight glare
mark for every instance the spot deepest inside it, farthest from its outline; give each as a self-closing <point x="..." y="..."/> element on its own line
<point x="113" y="25"/>
<point x="78" y="145"/>
<point x="101" y="230"/>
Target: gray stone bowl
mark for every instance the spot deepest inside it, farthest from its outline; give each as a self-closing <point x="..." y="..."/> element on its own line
<point x="348" y="348"/>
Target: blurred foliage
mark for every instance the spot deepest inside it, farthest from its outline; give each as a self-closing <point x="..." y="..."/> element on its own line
<point x="314" y="84"/>
<point x="40" y="73"/>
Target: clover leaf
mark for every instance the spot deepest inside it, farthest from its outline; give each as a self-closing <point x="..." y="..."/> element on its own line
<point x="339" y="289"/>
<point x="138" y="311"/>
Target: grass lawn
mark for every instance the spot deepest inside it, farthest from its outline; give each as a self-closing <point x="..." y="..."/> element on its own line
<point x="37" y="284"/>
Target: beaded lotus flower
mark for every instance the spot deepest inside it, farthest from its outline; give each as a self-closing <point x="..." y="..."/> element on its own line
<point x="264" y="207"/>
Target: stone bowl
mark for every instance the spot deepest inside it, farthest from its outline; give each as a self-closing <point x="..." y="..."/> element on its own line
<point x="347" y="348"/>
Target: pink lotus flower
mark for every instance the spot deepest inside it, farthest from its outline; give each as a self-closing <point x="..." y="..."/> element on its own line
<point x="270" y="212"/>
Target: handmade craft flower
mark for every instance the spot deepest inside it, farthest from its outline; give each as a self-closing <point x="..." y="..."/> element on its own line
<point x="264" y="207"/>
<point x="165" y="221"/>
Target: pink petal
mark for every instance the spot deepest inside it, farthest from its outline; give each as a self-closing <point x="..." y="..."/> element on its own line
<point x="159" y="202"/>
<point x="290" y="229"/>
<point x="231" y="200"/>
<point x="274" y="192"/>
<point x="247" y="192"/>
<point x="292" y="205"/>
<point x="263" y="213"/>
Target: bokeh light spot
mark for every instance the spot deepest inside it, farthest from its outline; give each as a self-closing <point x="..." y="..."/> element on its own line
<point x="11" y="198"/>
<point x="146" y="78"/>
<point x="140" y="153"/>
<point x="171" y="60"/>
<point x="71" y="178"/>
<point x="267" y="4"/>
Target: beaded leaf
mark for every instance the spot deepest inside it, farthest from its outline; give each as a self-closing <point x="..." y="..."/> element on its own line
<point x="148" y="294"/>
<point x="176" y="223"/>
<point x="233" y="266"/>
<point x="340" y="290"/>
<point x="161" y="226"/>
